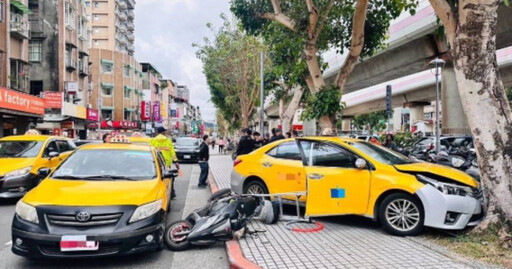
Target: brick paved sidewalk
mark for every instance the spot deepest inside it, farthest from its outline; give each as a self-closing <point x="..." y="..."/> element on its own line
<point x="345" y="242"/>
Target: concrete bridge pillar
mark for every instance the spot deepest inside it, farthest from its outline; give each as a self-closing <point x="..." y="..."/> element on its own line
<point x="453" y="117"/>
<point x="346" y="125"/>
<point x="416" y="113"/>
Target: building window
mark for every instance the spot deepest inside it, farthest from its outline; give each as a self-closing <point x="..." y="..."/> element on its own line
<point x="2" y="10"/>
<point x="88" y="3"/>
<point x="96" y="4"/>
<point x="126" y="92"/>
<point x="106" y="67"/>
<point x="35" y="51"/>
<point x="96" y="17"/>
<point x="127" y="115"/>
<point x="106" y="114"/>
<point x="69" y="15"/>
<point x="106" y="90"/>
<point x="96" y="42"/>
<point x="126" y="70"/>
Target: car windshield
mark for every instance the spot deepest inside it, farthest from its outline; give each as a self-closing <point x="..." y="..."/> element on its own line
<point x="187" y="142"/>
<point x="108" y="164"/>
<point x="20" y="149"/>
<point x="381" y="154"/>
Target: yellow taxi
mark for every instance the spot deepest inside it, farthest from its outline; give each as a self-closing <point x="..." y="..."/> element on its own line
<point x="140" y="140"/>
<point x="348" y="176"/>
<point x="22" y="156"/>
<point x="104" y="199"/>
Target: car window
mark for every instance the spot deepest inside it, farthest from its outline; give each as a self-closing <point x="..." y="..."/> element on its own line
<point x="20" y="149"/>
<point x="326" y="155"/>
<point x="72" y="145"/>
<point x="63" y="146"/>
<point x="161" y="162"/>
<point x="51" y="147"/>
<point x="288" y="151"/>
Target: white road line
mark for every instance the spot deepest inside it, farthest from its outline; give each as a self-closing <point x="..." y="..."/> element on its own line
<point x="8" y="243"/>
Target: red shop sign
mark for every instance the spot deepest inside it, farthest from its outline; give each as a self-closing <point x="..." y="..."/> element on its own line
<point x="119" y="124"/>
<point x="53" y="99"/>
<point x="92" y="114"/>
<point x="145" y="111"/>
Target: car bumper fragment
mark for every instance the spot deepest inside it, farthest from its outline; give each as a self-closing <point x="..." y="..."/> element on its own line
<point x="14" y="187"/>
<point x="437" y="205"/>
<point x="237" y="182"/>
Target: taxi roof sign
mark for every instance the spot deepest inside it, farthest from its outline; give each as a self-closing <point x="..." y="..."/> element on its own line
<point x="120" y="139"/>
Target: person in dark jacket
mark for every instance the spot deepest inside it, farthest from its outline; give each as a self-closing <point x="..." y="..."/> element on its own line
<point x="278" y="136"/>
<point x="204" y="156"/>
<point x="246" y="144"/>
<point x="390" y="143"/>
<point x="258" y="140"/>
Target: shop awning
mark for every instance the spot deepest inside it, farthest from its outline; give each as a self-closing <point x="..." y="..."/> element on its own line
<point x="107" y="108"/>
<point x="21" y="7"/>
<point x="129" y="109"/>
<point x="107" y="85"/>
<point x="107" y="62"/>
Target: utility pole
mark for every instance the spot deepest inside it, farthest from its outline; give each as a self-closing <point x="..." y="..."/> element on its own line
<point x="262" y="93"/>
<point x="438" y="64"/>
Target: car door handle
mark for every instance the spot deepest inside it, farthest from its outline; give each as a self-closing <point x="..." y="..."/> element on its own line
<point x="315" y="176"/>
<point x="267" y="164"/>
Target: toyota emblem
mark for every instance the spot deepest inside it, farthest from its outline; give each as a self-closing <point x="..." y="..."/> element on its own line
<point x="83" y="216"/>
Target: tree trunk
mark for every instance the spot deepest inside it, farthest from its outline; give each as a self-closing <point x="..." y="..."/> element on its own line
<point x="484" y="101"/>
<point x="287" y="116"/>
<point x="314" y="68"/>
<point x="281" y="110"/>
<point x="245" y="121"/>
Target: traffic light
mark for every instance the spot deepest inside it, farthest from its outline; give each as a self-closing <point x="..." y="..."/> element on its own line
<point x="388" y="100"/>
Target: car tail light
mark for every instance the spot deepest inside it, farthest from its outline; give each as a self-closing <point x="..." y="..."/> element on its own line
<point x="237" y="162"/>
<point x="431" y="146"/>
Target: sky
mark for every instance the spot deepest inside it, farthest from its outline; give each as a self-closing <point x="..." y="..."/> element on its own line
<point x="164" y="33"/>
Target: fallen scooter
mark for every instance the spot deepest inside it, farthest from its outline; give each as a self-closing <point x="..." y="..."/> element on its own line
<point x="223" y="218"/>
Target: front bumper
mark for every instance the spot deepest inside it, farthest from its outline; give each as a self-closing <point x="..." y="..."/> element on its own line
<point x="15" y="187"/>
<point x="187" y="156"/>
<point x="237" y="182"/>
<point x="468" y="210"/>
<point x="37" y="242"/>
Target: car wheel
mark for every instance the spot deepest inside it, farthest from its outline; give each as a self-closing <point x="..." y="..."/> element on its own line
<point x="401" y="214"/>
<point x="174" y="241"/>
<point x="255" y="187"/>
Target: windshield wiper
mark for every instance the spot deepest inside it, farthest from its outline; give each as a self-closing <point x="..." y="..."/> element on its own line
<point x="94" y="177"/>
<point x="67" y="177"/>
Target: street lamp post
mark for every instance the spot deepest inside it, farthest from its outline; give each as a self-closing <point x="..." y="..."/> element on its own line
<point x="262" y="93"/>
<point x="438" y="64"/>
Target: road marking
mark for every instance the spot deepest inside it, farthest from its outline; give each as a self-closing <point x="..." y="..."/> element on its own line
<point x="8" y="243"/>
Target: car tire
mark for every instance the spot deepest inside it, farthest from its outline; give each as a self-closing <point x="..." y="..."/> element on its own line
<point x="171" y="241"/>
<point x="402" y="214"/>
<point x="255" y="187"/>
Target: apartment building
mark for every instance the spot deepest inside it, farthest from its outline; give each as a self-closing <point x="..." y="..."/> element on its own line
<point x="117" y="91"/>
<point x="112" y="23"/>
<point x="18" y="109"/>
<point x="152" y="97"/>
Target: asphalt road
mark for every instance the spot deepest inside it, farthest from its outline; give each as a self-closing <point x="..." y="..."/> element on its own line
<point x="189" y="197"/>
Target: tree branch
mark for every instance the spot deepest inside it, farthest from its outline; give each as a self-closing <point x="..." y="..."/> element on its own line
<point x="323" y="20"/>
<point x="278" y="16"/>
<point x="445" y="14"/>
<point x="356" y="43"/>
<point x="313" y="19"/>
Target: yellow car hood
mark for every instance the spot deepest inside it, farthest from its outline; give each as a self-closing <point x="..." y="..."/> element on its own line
<point x="440" y="170"/>
<point x="92" y="193"/>
<point x="10" y="164"/>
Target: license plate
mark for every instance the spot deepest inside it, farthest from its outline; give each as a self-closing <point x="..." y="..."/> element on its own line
<point x="77" y="243"/>
<point x="186" y="156"/>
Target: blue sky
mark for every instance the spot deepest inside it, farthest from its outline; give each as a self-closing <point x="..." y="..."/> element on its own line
<point x="164" y="33"/>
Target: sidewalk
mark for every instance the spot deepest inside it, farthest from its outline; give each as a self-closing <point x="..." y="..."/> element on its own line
<point x="345" y="242"/>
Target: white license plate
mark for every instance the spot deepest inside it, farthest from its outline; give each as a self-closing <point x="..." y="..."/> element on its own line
<point x="187" y="156"/>
<point x="77" y="243"/>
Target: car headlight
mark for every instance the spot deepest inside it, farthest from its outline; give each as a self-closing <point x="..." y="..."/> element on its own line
<point x="27" y="212"/>
<point x="474" y="162"/>
<point x="457" y="162"/>
<point x="446" y="188"/>
<point x="19" y="172"/>
<point x="146" y="211"/>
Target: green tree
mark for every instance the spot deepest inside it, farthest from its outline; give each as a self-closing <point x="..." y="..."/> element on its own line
<point x="316" y="26"/>
<point x="373" y="121"/>
<point x="231" y="63"/>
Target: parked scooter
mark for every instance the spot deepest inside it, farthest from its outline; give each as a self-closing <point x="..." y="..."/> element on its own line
<point x="223" y="218"/>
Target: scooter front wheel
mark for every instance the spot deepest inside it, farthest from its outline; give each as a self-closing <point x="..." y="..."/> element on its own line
<point x="176" y="235"/>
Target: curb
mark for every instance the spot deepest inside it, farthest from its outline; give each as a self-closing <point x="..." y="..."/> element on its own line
<point x="235" y="255"/>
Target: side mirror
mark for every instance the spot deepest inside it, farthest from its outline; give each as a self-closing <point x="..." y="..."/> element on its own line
<point x="360" y="164"/>
<point x="171" y="173"/>
<point x="43" y="172"/>
<point x="53" y="154"/>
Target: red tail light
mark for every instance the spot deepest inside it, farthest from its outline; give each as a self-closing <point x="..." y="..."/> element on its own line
<point x="237" y="162"/>
<point x="431" y="146"/>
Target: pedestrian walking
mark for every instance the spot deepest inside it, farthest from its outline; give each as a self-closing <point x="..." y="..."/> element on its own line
<point x="164" y="144"/>
<point x="222" y="144"/>
<point x="204" y="157"/>
<point x="213" y="143"/>
<point x="278" y="135"/>
<point x="246" y="144"/>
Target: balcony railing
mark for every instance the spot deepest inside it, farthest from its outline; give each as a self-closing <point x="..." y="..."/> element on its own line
<point x="70" y="64"/>
<point x="36" y="27"/>
<point x="130" y="26"/>
<point x="123" y="5"/>
<point x="83" y="69"/>
<point x="131" y="14"/>
<point x="131" y="4"/>
<point x="122" y="16"/>
<point x="70" y="21"/>
<point x="20" y="27"/>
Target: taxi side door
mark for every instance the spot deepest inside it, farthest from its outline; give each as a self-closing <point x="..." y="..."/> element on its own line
<point x="335" y="185"/>
<point x="66" y="147"/>
<point x="283" y="170"/>
<point x="167" y="181"/>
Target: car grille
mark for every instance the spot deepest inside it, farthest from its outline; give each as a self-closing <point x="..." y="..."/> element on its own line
<point x="104" y="249"/>
<point x="95" y="220"/>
